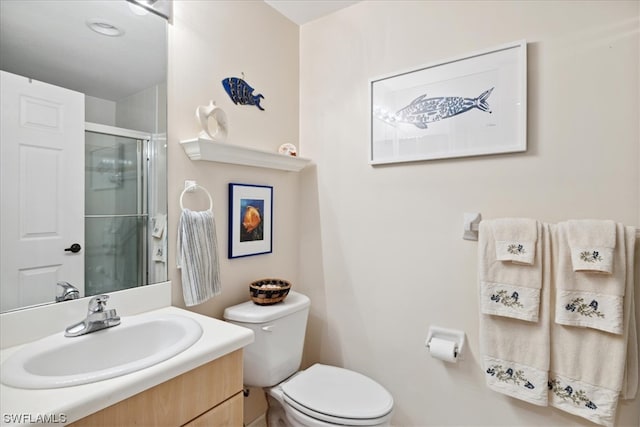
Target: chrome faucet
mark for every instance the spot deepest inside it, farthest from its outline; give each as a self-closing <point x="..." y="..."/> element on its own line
<point x="65" y="291"/>
<point x="97" y="318"/>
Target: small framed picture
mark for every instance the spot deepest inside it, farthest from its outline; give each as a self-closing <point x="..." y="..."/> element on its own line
<point x="250" y="220"/>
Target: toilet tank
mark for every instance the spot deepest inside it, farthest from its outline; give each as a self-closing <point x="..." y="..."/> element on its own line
<point x="279" y="329"/>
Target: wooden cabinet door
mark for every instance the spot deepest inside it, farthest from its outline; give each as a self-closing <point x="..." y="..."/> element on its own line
<point x="177" y="401"/>
<point x="227" y="414"/>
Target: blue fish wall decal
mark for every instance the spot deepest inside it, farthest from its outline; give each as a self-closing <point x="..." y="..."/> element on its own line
<point x="424" y="110"/>
<point x="240" y="92"/>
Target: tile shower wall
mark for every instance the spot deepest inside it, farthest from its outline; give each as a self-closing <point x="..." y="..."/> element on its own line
<point x="382" y="256"/>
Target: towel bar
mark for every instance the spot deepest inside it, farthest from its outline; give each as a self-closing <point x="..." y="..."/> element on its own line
<point x="472" y="225"/>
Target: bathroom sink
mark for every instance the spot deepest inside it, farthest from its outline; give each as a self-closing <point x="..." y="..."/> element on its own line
<point x="137" y="343"/>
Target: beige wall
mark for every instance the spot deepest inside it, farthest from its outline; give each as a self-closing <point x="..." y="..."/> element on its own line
<point x="378" y="249"/>
<point x="381" y="252"/>
<point x="208" y="41"/>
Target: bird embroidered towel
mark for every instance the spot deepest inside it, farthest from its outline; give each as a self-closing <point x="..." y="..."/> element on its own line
<point x="591" y="369"/>
<point x="585" y="298"/>
<point x="510" y="289"/>
<point x="592" y="244"/>
<point x="515" y="353"/>
<point x="515" y="239"/>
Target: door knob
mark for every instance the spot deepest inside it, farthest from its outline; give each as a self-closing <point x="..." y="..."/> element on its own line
<point x="73" y="248"/>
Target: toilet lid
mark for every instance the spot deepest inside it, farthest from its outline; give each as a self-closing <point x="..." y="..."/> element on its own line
<point x="327" y="392"/>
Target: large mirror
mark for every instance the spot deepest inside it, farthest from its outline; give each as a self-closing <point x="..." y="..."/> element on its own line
<point x="83" y="149"/>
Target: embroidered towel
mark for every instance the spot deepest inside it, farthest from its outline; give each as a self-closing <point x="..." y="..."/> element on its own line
<point x="515" y="353"/>
<point x="591" y="369"/>
<point x="515" y="239"/>
<point x="197" y="256"/>
<point x="587" y="299"/>
<point x="631" y="378"/>
<point x="506" y="288"/>
<point x="592" y="244"/>
<point x="631" y="374"/>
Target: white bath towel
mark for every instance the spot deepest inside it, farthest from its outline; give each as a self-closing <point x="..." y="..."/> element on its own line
<point x="515" y="353"/>
<point x="592" y="244"/>
<point x="584" y="298"/>
<point x="197" y="256"/>
<point x="591" y="369"/>
<point x="506" y="288"/>
<point x="515" y="239"/>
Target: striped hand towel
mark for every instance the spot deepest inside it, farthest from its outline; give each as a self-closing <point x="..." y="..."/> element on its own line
<point x="197" y="256"/>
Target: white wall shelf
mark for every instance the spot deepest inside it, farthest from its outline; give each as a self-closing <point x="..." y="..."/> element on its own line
<point x="203" y="149"/>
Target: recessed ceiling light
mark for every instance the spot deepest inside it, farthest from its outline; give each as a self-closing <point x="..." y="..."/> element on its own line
<point x="105" y="28"/>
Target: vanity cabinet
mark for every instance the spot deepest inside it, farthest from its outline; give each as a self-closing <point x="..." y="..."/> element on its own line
<point x="210" y="395"/>
<point x="228" y="414"/>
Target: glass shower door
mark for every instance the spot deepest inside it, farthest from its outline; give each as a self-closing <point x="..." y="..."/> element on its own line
<point x="115" y="211"/>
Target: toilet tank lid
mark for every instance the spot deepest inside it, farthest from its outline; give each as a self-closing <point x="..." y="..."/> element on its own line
<point x="248" y="312"/>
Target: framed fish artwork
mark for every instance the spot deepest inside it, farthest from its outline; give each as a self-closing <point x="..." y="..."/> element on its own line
<point x="250" y="220"/>
<point x="466" y="106"/>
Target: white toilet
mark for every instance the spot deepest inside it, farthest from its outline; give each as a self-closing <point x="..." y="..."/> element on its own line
<point x="321" y="395"/>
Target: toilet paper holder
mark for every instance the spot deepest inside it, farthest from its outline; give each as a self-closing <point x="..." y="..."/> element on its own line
<point x="454" y="335"/>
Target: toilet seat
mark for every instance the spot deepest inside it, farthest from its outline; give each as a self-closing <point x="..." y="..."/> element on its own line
<point x="338" y="396"/>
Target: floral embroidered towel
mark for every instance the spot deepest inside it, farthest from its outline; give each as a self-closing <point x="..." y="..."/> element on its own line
<point x="592" y="244"/>
<point x="589" y="300"/>
<point x="591" y="369"/>
<point x="506" y="288"/>
<point x="515" y="354"/>
<point x="515" y="239"/>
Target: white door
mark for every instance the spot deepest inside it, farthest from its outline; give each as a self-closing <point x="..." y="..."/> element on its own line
<point x="42" y="190"/>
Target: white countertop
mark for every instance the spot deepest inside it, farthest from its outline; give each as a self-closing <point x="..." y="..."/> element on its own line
<point x="66" y="405"/>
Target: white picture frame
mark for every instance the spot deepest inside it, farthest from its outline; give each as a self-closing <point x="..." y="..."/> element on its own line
<point x="250" y="220"/>
<point x="466" y="106"/>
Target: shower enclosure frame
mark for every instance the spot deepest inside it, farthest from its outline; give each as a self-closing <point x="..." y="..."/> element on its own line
<point x="142" y="206"/>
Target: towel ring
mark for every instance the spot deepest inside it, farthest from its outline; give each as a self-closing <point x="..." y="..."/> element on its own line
<point x="196" y="186"/>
